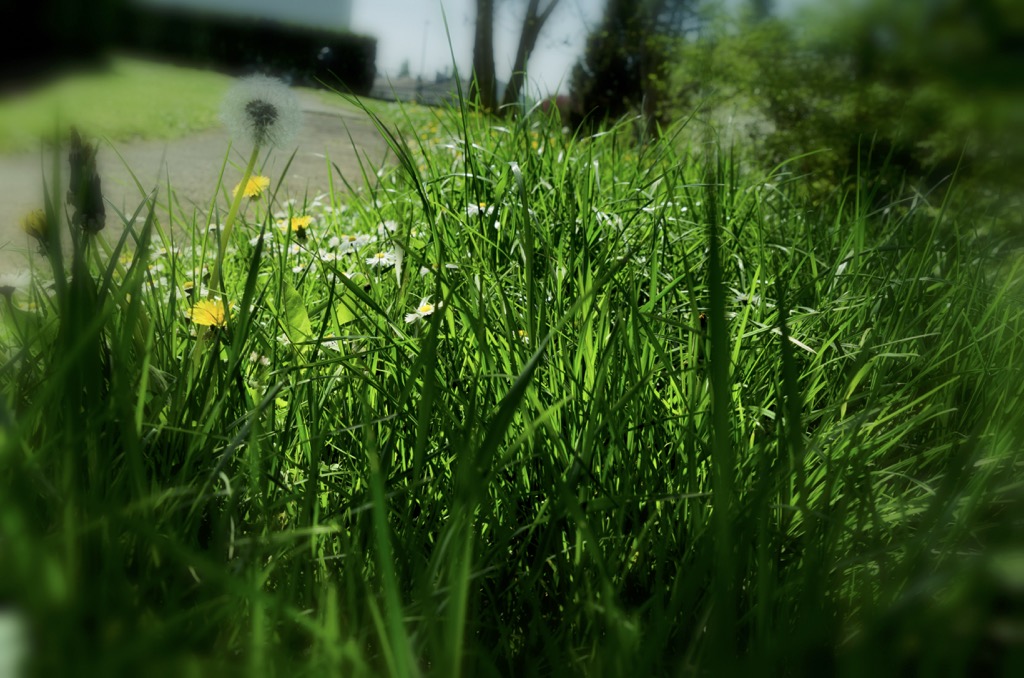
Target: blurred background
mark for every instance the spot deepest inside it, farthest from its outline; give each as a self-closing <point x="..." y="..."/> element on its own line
<point x="921" y="86"/>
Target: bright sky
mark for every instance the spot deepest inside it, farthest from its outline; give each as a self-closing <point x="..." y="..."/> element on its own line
<point x="414" y="31"/>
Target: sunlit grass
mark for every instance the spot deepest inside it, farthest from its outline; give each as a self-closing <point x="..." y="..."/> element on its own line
<point x="130" y="99"/>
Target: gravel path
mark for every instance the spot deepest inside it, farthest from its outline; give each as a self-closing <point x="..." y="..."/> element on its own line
<point x="191" y="166"/>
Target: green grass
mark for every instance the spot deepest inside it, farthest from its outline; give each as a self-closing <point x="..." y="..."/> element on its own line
<point x="665" y="419"/>
<point x="130" y="99"/>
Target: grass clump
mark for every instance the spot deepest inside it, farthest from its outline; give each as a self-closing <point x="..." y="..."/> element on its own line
<point x="527" y="403"/>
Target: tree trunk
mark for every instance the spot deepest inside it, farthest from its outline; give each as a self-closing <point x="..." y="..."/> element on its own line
<point x="483" y="88"/>
<point x="532" y="25"/>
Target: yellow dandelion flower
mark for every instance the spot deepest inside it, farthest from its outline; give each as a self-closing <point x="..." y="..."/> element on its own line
<point x="34" y="223"/>
<point x="297" y="225"/>
<point x="208" y="312"/>
<point x="254" y="187"/>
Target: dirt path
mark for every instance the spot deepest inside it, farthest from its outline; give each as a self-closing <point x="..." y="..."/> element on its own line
<point x="191" y="166"/>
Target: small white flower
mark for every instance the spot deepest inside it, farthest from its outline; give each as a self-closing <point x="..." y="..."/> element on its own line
<point x="353" y="242"/>
<point x="480" y="208"/>
<point x="381" y="259"/>
<point x="433" y="268"/>
<point x="261" y="110"/>
<point x="333" y="344"/>
<point x="423" y="310"/>
<point x="255" y="357"/>
<point x="16" y="280"/>
<point x="386" y="228"/>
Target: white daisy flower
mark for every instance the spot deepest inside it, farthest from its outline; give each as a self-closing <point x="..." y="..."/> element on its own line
<point x="424" y="270"/>
<point x="479" y="208"/>
<point x="14" y="281"/>
<point x="423" y="310"/>
<point x="381" y="259"/>
<point x="354" y="241"/>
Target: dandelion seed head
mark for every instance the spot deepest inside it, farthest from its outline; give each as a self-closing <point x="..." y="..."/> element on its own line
<point x="261" y="110"/>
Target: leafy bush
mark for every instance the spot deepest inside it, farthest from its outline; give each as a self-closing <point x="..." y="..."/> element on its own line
<point x="870" y="98"/>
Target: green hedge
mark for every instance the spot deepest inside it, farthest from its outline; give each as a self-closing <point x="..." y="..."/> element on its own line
<point x="304" y="56"/>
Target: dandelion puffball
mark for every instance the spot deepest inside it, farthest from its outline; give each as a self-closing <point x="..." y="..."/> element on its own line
<point x="261" y="110"/>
